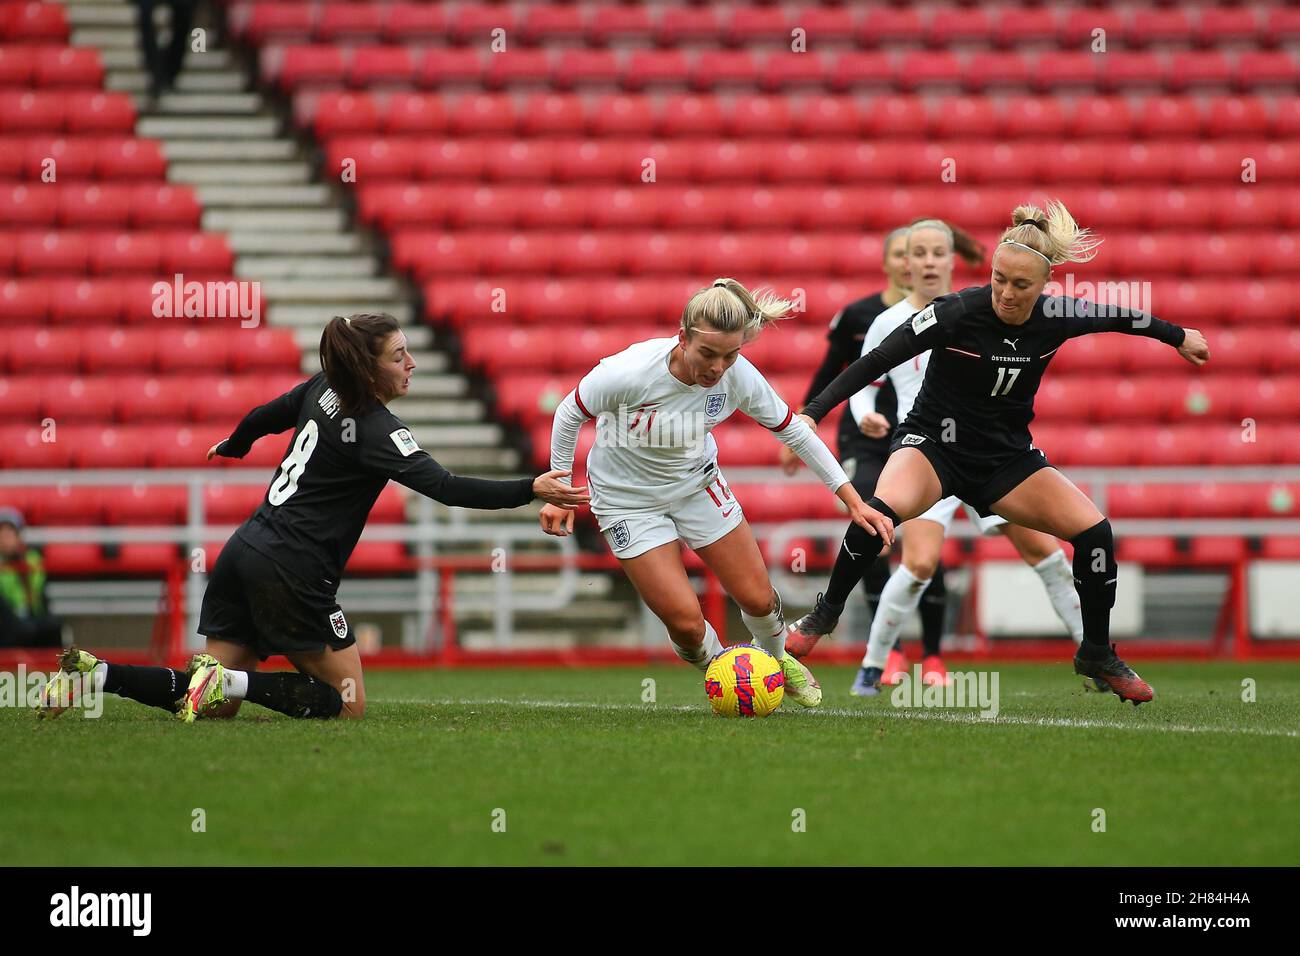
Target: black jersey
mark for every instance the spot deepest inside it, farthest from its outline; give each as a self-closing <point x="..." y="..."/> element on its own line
<point x="977" y="397"/>
<point x="332" y="473"/>
<point x="844" y="347"/>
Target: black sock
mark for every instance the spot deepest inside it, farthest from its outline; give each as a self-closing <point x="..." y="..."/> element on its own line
<point x="934" y="605"/>
<point x="857" y="552"/>
<point x="294" y="694"/>
<point x="155" y="686"/>
<point x="874" y="581"/>
<point x="1095" y="574"/>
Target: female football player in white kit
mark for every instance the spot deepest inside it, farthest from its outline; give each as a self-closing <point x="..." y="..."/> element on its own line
<point x="930" y="260"/>
<point x="653" y="472"/>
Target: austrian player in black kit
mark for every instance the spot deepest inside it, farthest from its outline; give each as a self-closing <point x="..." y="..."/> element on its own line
<point x="272" y="589"/>
<point x="864" y="458"/>
<point x="968" y="431"/>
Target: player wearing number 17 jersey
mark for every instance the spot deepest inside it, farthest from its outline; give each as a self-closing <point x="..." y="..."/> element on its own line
<point x="968" y="432"/>
<point x="273" y="587"/>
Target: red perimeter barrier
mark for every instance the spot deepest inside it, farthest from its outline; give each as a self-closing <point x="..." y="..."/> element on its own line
<point x="1231" y="638"/>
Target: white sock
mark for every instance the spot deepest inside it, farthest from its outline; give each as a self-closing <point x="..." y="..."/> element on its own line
<point x="899" y="598"/>
<point x="234" y="684"/>
<point x="698" y="657"/>
<point x="1058" y="578"/>
<point x="768" y="631"/>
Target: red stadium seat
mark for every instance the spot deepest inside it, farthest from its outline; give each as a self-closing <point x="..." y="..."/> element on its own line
<point x="230" y="503"/>
<point x="21" y="110"/>
<point x="373" y="66"/>
<point x="1218" y="550"/>
<point x="199" y="350"/>
<point x="1236" y="23"/>
<point x="297" y="66"/>
<point x="123" y="157"/>
<point x="53" y="252"/>
<point x="351" y="20"/>
<point x="782" y="70"/>
<point x="196" y="253"/>
<point x="40" y="157"/>
<point x="1147" y="550"/>
<point x="958" y="25"/>
<point x="520" y="67"/>
<point x="142" y="504"/>
<point x="546" y="22"/>
<point x="341" y="112"/>
<point x="886" y="25"/>
<point x="556" y="114"/>
<point x="1201" y="68"/>
<point x="442" y="66"/>
<point x="578" y="67"/>
<point x="685" y="23"/>
<point x="17" y="65"/>
<point x="34" y="22"/>
<point x="67" y="504"/>
<point x="157" y="399"/>
<point x="1265" y="69"/>
<point x="254" y="349"/>
<point x="22" y="205"/>
<point x="71" y="67"/>
<point x="124" y="252"/>
<point x="656" y="68"/>
<point x="414" y="113"/>
<point x="407" y="21"/>
<point x="100" y="112"/>
<point x="278" y="21"/>
<point x="25" y="301"/>
<point x="162" y="206"/>
<point x="607" y="24"/>
<point x="86" y="302"/>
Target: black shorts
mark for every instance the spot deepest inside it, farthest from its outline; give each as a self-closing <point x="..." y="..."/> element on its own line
<point x="863" y="466"/>
<point x="253" y="601"/>
<point x="977" y="481"/>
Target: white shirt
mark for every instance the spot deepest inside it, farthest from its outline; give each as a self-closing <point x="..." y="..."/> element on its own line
<point x="653" y="443"/>
<point x="906" y="378"/>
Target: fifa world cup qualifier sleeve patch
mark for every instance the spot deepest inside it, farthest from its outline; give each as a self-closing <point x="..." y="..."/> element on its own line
<point x="923" y="319"/>
<point x="404" y="441"/>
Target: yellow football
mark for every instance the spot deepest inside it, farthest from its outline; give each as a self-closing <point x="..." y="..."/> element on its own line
<point x="744" y="681"/>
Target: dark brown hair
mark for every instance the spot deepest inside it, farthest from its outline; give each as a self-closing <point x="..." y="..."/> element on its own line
<point x="350" y="349"/>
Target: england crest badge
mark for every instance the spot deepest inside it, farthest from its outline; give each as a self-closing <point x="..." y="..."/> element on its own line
<point x="620" y="536"/>
<point x="713" y="404"/>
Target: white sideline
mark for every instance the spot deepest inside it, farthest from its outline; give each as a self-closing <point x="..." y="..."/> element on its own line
<point x="955" y="717"/>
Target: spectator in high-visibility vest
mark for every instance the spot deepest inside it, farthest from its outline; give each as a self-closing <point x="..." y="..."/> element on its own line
<point x="25" y="620"/>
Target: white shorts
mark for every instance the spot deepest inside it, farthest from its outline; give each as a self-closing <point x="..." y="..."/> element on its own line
<point x="699" y="521"/>
<point x="944" y="510"/>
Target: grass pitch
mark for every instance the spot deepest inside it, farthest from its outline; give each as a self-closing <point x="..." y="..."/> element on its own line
<point x="578" y="770"/>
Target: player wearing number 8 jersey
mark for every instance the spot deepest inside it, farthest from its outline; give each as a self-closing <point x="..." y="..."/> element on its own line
<point x="272" y="588"/>
<point x="968" y="432"/>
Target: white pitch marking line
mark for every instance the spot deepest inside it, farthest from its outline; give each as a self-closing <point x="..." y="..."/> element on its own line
<point x="908" y="714"/>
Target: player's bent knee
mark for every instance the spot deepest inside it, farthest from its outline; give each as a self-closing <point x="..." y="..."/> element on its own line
<point x="923" y="567"/>
<point x="757" y="604"/>
<point x="686" y="631"/>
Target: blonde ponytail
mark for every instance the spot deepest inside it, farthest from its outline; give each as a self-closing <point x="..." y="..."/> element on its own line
<point x="1053" y="234"/>
<point x="727" y="306"/>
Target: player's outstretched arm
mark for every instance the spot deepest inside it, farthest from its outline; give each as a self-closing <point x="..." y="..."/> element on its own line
<point x="277" y="415"/>
<point x="898" y="347"/>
